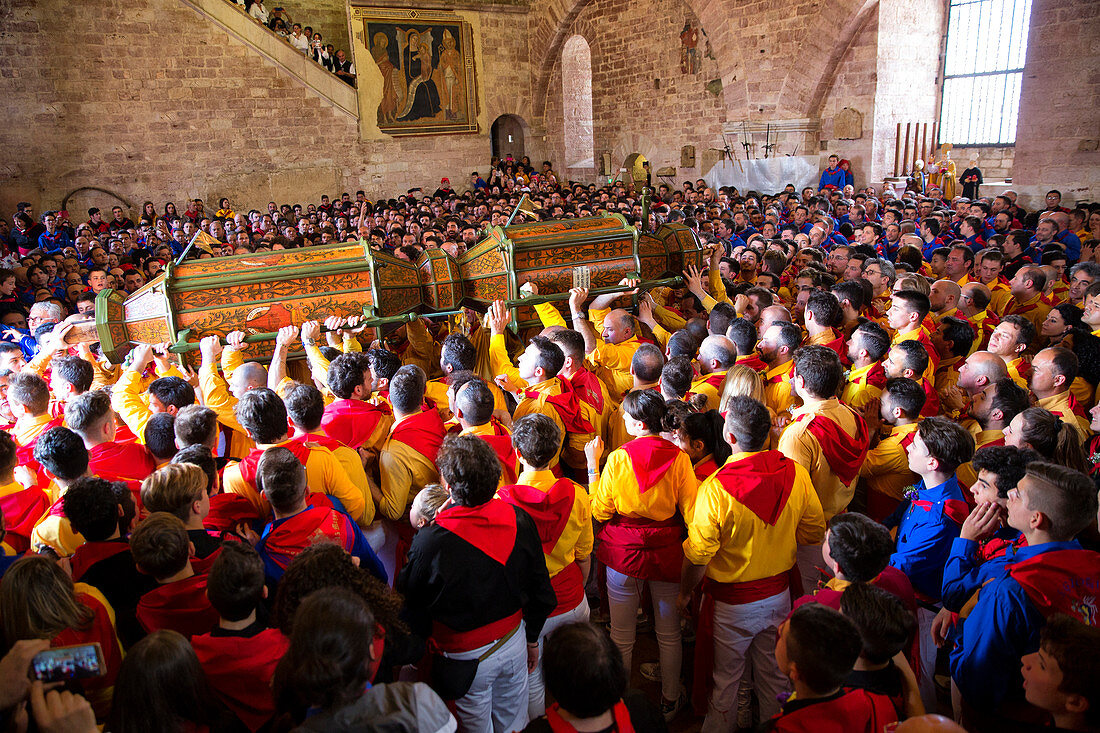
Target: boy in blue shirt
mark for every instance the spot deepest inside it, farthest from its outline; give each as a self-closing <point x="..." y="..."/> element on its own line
<point x="927" y="523"/>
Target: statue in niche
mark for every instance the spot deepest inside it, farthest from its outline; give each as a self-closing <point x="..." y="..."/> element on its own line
<point x="689" y="53"/>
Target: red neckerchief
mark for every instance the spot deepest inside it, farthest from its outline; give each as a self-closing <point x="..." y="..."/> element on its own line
<point x="762" y="482"/>
<point x="249" y="463"/>
<point x="651" y="456"/>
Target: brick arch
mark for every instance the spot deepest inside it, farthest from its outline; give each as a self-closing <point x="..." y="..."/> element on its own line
<point x="555" y="24"/>
<point x="848" y="34"/>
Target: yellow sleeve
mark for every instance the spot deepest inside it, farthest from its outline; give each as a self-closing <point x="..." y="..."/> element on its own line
<point x="40" y="363"/>
<point x="689" y="487"/>
<point x="102" y="376"/>
<point x="499" y="363"/>
<point x="216" y="395"/>
<point x="397" y="481"/>
<point x="603" y="495"/>
<point x="336" y="483"/>
<point x="232" y="483"/>
<point x="585" y="541"/>
<point x="318" y="364"/>
<point x="717" y="287"/>
<point x="232" y="360"/>
<point x="58" y="534"/>
<point x="597" y="316"/>
<point x="705" y="528"/>
<point x="549" y="315"/>
<point x="662" y="336"/>
<point x="668" y="319"/>
<point x="351" y="345"/>
<point x="709" y="303"/>
<point x="127" y="403"/>
<point x="888" y="457"/>
<point x="421" y="344"/>
<point x="811" y="525"/>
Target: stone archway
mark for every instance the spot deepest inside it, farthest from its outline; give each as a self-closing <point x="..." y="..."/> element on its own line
<point x="507" y="136"/>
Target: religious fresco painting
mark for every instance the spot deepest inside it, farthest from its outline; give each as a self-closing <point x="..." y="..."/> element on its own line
<point x="426" y="58"/>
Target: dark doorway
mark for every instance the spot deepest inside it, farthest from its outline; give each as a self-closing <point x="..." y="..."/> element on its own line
<point x="507" y="136"/>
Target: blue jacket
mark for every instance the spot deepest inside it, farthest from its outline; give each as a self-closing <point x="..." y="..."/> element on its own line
<point x="927" y="525"/>
<point x="964" y="573"/>
<point x="831" y="177"/>
<point x="1002" y="627"/>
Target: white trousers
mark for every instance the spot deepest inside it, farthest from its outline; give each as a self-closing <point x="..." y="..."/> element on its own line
<point x="536" y="687"/>
<point x="497" y="699"/>
<point x="623" y="596"/>
<point x="746" y="632"/>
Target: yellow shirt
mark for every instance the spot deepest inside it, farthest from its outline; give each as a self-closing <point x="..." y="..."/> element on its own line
<point x="576" y="539"/>
<point x="615" y="435"/>
<point x="324" y="474"/>
<point x="738" y="546"/>
<point x="1014" y="367"/>
<point x="616" y="491"/>
<point x="130" y="405"/>
<point x="1033" y="309"/>
<point x="887" y="466"/>
<point x="56" y="532"/>
<point x="966" y="474"/>
<point x="859" y="392"/>
<point x="1059" y="405"/>
<point x="799" y="443"/>
<point x="611" y="362"/>
<point x="216" y="396"/>
<point x="404" y="472"/>
<point x="778" y="392"/>
<point x="712" y="392"/>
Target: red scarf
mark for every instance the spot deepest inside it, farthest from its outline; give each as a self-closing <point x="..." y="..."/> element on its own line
<point x="873" y="377"/>
<point x="351" y="422"/>
<point x="1061" y="581"/>
<point x="651" y="456"/>
<point x="558" y="724"/>
<point x="250" y="463"/>
<point x="587" y="386"/>
<point x="550" y="509"/>
<point x="490" y="527"/>
<point x="318" y="439"/>
<point x="501" y="442"/>
<point x="1074" y="405"/>
<point x="843" y="453"/>
<point x="227" y="511"/>
<point x="21" y="511"/>
<point x="715" y="379"/>
<point x="568" y="407"/>
<point x="762" y="482"/>
<point x="90" y="553"/>
<point x="423" y="432"/>
<point x="787" y="375"/>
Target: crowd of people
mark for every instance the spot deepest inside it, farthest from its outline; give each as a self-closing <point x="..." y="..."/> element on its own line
<point x="305" y="39"/>
<point x="845" y="475"/>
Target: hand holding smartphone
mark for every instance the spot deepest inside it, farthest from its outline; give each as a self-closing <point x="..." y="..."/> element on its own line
<point x="63" y="663"/>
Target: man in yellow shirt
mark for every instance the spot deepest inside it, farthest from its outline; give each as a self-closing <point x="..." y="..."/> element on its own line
<point x="1010" y="341"/>
<point x="886" y="470"/>
<point x="168" y="393"/>
<point x="993" y="408"/>
<point x="407" y="463"/>
<point x="906" y="318"/>
<point x="989" y="265"/>
<point x="64" y="458"/>
<point x="264" y="418"/>
<point x="866" y="380"/>
<point x="1027" y="296"/>
<point x="777" y="348"/>
<point x="827" y="438"/>
<point x="750" y="517"/>
<point x="562" y="511"/>
<point x="943" y="300"/>
<point x="612" y="352"/>
<point x="645" y="371"/>
<point x="1052" y="372"/>
<point x="974" y="306"/>
<point x="716" y="355"/>
<point x="221" y="395"/>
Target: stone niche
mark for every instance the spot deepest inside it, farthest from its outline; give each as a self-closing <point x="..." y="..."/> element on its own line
<point x="848" y="124"/>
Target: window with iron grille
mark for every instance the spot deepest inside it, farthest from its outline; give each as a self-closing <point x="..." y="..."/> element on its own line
<point x="982" y="70"/>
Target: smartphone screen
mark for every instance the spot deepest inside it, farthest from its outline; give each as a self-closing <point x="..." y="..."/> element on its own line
<point x="68" y="663"/>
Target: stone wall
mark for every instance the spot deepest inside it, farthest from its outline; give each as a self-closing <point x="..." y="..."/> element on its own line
<point x="1058" y="136"/>
<point x="994" y="162"/>
<point x="642" y="100"/>
<point x="854" y="88"/>
<point x="150" y="100"/>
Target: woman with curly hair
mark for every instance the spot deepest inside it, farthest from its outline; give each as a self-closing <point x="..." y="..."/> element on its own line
<point x="326" y="564"/>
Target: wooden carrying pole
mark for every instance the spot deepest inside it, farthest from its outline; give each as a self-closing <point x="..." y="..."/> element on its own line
<point x="924" y="143"/>
<point x="897" y="150"/>
<point x="905" y="156"/>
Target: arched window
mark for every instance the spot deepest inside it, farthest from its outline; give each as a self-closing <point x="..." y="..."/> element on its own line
<point x="576" y="85"/>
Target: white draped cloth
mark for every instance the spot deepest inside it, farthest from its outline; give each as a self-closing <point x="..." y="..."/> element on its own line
<point x="765" y="175"/>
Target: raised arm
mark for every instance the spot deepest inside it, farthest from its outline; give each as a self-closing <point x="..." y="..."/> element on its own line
<point x="276" y="372"/>
<point x="577" y="296"/>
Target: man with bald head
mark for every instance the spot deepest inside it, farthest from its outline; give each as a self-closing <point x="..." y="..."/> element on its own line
<point x="1027" y="292"/>
<point x="974" y="300"/>
<point x="716" y="355"/>
<point x="242" y="377"/>
<point x="772" y="315"/>
<point x="944" y="299"/>
<point x="979" y="371"/>
<point x="612" y="352"/>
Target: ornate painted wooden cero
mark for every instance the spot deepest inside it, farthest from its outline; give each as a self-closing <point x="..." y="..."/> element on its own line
<point x="259" y="293"/>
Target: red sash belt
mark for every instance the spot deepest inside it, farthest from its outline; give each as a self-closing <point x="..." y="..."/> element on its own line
<point x="568" y="585"/>
<point x="747" y="591"/>
<point x="643" y="548"/>
<point x="453" y="642"/>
